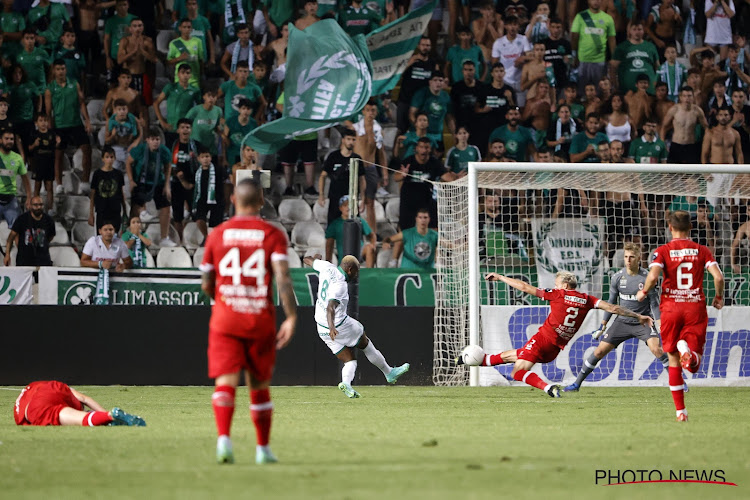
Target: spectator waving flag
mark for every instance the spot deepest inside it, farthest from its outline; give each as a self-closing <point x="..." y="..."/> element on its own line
<point x="328" y="80"/>
<point x="392" y="46"/>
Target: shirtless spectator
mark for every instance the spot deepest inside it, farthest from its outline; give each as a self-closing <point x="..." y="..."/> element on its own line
<point x="128" y="94"/>
<point x="703" y="58"/>
<point x="369" y="145"/>
<point x="722" y="143"/>
<point x="89" y="13"/>
<point x="662" y="104"/>
<point x="538" y="111"/>
<point x="134" y="52"/>
<point x="534" y="71"/>
<point x="487" y="28"/>
<point x="639" y="102"/>
<point x="310" y="17"/>
<point x="683" y="119"/>
<point x="277" y="48"/>
<point x="662" y="24"/>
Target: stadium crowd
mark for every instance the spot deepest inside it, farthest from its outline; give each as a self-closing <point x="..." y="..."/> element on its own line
<point x="121" y="108"/>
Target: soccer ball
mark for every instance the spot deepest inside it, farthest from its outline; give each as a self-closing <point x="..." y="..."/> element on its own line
<point x="473" y="355"/>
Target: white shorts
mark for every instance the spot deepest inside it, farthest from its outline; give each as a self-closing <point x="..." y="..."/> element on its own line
<point x="349" y="332"/>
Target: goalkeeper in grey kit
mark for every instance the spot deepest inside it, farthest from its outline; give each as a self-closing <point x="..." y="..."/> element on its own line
<point x="624" y="286"/>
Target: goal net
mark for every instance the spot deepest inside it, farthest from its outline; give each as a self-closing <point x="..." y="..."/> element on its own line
<point x="530" y="220"/>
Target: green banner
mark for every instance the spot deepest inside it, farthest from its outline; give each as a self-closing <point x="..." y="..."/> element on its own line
<point x="392" y="45"/>
<point x="328" y="80"/>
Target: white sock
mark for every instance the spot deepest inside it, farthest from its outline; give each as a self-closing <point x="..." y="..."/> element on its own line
<point x="347" y="372"/>
<point x="376" y="358"/>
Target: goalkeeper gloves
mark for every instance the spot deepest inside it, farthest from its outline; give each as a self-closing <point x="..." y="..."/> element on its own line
<point x="598" y="333"/>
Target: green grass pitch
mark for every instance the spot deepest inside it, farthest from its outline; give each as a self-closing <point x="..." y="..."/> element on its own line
<point x="394" y="442"/>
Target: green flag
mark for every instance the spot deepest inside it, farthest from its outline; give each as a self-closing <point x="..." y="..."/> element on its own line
<point x="328" y="80"/>
<point x="392" y="46"/>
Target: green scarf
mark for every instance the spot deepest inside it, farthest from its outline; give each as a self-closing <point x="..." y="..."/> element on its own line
<point x="586" y="16"/>
<point x="211" y="195"/>
<point x="101" y="296"/>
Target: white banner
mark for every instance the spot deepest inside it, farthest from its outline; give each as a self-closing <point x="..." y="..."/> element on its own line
<point x="15" y="285"/>
<point x="574" y="245"/>
<point x="726" y="358"/>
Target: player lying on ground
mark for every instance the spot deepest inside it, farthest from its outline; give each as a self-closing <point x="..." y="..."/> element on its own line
<point x="623" y="286"/>
<point x="337" y="329"/>
<point x="241" y="256"/>
<point x="568" y="309"/>
<point x="683" y="304"/>
<point x="54" y="403"/>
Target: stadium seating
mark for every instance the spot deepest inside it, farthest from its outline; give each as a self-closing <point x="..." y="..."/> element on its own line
<point x="392" y="210"/>
<point x="268" y="211"/>
<point x="292" y="211"/>
<point x="321" y="212"/>
<point x="294" y="260"/>
<point x="191" y="236"/>
<point x="150" y="262"/>
<point x="308" y="234"/>
<point x="70" y="181"/>
<point x="384" y="256"/>
<point x="64" y="257"/>
<point x="379" y="212"/>
<point x="198" y="256"/>
<point x="76" y="208"/>
<point x="95" y="108"/>
<point x="81" y="233"/>
<point x="173" y="257"/>
<point x="61" y="235"/>
<point x="153" y="231"/>
<point x="162" y="41"/>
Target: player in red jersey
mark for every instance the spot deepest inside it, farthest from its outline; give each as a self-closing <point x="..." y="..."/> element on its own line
<point x="51" y="402"/>
<point x="683" y="303"/>
<point x="568" y="309"/>
<point x="240" y="257"/>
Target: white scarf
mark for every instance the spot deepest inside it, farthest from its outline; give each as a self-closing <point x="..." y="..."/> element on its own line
<point x="558" y="131"/>
<point x="211" y="194"/>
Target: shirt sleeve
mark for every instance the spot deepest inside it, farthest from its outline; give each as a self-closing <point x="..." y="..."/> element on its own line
<point x="658" y="258"/>
<point x="172" y="52"/>
<point x="577" y="21"/>
<point x="546" y="293"/>
<point x="592" y="301"/>
<point x="89" y="247"/>
<point x="708" y="257"/>
<point x="610" y="26"/>
<point x="337" y="291"/>
<point x="122" y="251"/>
<point x="278" y="246"/>
<point x="321" y="265"/>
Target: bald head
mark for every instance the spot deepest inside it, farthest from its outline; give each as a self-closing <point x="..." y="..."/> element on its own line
<point x="248" y="197"/>
<point x="350" y="265"/>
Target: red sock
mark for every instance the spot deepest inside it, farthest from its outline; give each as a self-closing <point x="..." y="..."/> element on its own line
<point x="94" y="418"/>
<point x="223" y="403"/>
<point x="261" y="411"/>
<point x="676" y="385"/>
<point x="493" y="359"/>
<point x="530" y="378"/>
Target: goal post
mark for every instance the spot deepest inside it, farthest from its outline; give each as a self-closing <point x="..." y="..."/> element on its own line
<point x="550" y="205"/>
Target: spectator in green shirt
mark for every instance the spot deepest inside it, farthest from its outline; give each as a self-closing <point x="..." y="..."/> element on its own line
<point x="74" y="59"/>
<point x="436" y="102"/>
<point x="48" y="19"/>
<point x="335" y="236"/>
<point x="189" y="50"/>
<point x="34" y="61"/>
<point x="648" y="148"/>
<point x="208" y="120"/>
<point x="633" y="57"/>
<point x="276" y="14"/>
<point x="12" y="25"/>
<point x="137" y="242"/>
<point x="418" y="244"/>
<point x="358" y="19"/>
<point x="181" y="97"/>
<point x="591" y="33"/>
<point x="584" y="145"/>
<point x="240" y="88"/>
<point x="201" y="30"/>
<point x="465" y="50"/>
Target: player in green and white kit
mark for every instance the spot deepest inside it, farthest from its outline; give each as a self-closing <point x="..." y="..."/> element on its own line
<point x="337" y="329"/>
<point x="624" y="286"/>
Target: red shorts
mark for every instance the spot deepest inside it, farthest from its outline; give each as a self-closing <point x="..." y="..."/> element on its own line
<point x="681" y="321"/>
<point x="539" y="349"/>
<point x="43" y="406"/>
<point x="229" y="353"/>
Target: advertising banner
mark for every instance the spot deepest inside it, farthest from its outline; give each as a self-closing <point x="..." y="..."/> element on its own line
<point x="15" y="285"/>
<point x="726" y="359"/>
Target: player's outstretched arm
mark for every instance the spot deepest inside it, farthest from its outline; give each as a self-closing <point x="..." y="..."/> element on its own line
<point x="311" y="258"/>
<point x="87" y="400"/>
<point x="288" y="301"/>
<point x="718" y="276"/>
<point x="621" y="311"/>
<point x="651" y="280"/>
<point x="517" y="284"/>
